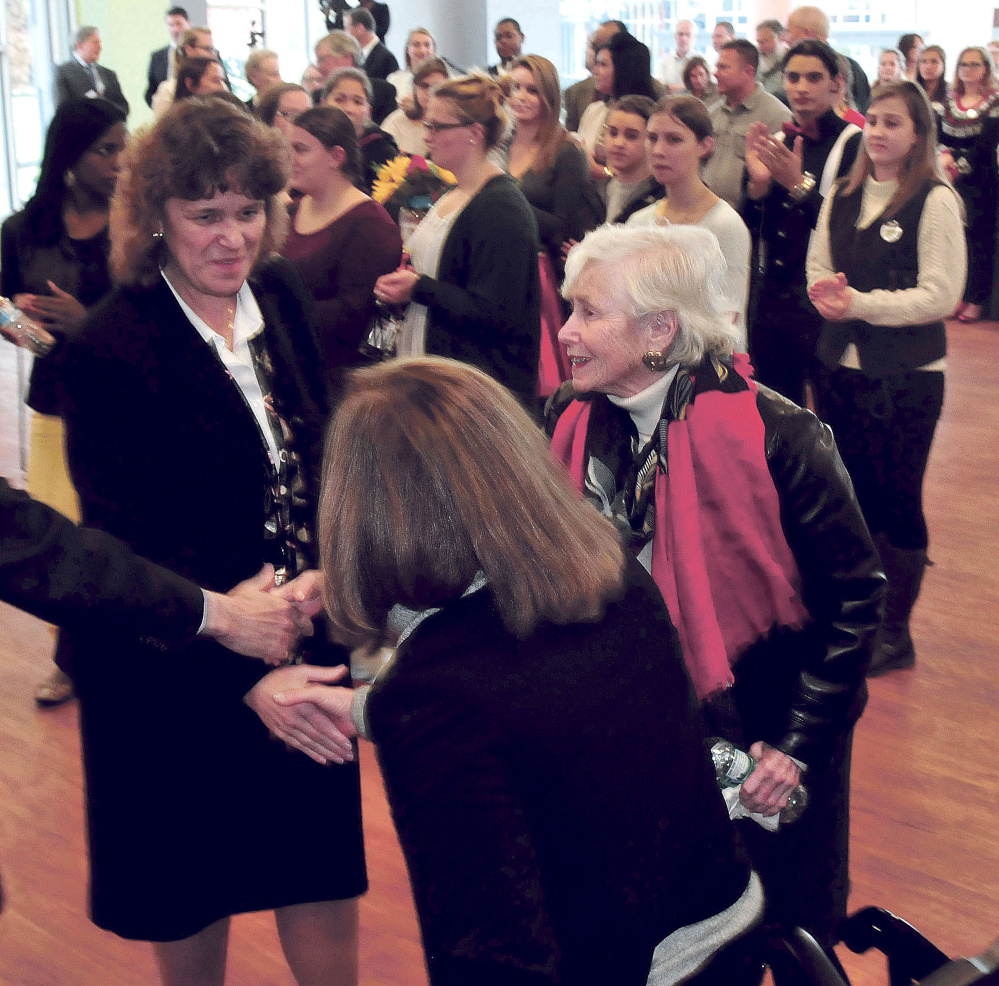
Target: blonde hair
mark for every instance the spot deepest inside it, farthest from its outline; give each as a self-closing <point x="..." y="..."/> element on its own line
<point x="433" y="473"/>
<point x="990" y="82"/>
<point x="478" y="98"/>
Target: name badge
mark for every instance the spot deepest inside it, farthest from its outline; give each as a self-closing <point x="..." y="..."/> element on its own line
<point x="891" y="232"/>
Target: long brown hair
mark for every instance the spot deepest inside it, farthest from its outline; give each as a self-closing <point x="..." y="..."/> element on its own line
<point x="551" y="135"/>
<point x="433" y="473"/>
<point x="939" y="92"/>
<point x="920" y="164"/>
<point x="989" y="84"/>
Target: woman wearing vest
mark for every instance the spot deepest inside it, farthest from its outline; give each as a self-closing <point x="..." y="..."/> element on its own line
<point x="886" y="266"/>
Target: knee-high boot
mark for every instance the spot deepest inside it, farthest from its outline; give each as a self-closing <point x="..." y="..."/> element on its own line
<point x="893" y="648"/>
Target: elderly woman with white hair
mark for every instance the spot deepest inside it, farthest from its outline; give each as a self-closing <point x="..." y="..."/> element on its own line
<point x="737" y="502"/>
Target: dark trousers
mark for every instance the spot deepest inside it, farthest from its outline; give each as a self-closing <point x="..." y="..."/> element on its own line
<point x="884" y="428"/>
<point x="783" y="335"/>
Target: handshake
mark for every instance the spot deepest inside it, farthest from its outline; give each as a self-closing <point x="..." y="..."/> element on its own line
<point x="260" y="619"/>
<point x="300" y="704"/>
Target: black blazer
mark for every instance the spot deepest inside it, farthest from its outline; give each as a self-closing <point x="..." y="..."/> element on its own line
<point x="159" y="68"/>
<point x="162" y="448"/>
<point x="72" y="82"/>
<point x="380" y="62"/>
<point x="485" y="303"/>
<point x="83" y="579"/>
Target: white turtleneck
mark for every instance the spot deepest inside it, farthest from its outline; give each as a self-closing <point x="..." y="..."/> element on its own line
<point x="646" y="407"/>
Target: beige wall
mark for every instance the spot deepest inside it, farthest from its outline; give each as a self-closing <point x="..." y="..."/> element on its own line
<point x="130" y="30"/>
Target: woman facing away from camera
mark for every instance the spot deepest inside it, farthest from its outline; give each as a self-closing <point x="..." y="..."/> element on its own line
<point x="195" y="410"/>
<point x="535" y="658"/>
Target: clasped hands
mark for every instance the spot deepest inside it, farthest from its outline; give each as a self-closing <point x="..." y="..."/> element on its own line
<point x="768" y="159"/>
<point x="396" y="287"/>
<point x="831" y="297"/>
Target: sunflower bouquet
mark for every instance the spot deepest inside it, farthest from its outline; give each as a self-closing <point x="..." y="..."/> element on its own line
<point x="410" y="182"/>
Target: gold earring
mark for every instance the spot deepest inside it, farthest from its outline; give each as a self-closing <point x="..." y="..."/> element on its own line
<point x="656" y="360"/>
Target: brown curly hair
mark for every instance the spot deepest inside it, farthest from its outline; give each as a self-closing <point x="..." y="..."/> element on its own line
<point x="201" y="147"/>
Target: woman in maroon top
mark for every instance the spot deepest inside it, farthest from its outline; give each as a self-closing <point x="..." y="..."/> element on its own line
<point x="341" y="240"/>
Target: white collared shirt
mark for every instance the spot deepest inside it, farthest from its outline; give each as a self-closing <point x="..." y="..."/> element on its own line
<point x="98" y="81"/>
<point x="367" y="49"/>
<point x="247" y="323"/>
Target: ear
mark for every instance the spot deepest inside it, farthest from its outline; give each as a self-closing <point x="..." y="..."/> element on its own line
<point x="663" y="328"/>
<point x="337" y="155"/>
<point x="479" y="132"/>
<point x="707" y="147"/>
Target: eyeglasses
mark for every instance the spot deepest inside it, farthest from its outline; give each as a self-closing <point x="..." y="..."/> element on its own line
<point x="433" y="127"/>
<point x="970" y="65"/>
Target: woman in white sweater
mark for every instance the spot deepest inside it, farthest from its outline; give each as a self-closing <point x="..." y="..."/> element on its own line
<point x="887" y="264"/>
<point x="680" y="137"/>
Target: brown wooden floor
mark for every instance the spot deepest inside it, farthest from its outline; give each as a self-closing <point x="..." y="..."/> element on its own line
<point x="926" y="770"/>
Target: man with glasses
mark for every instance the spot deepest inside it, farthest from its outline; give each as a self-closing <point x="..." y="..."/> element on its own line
<point x="788" y="176"/>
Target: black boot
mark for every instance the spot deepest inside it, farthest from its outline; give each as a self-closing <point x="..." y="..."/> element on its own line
<point x="893" y="647"/>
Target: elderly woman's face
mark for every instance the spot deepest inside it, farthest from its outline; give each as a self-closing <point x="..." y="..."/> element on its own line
<point x="605" y="346"/>
<point x="212" y="244"/>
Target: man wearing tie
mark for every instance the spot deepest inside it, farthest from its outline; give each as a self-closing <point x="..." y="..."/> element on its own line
<point x="81" y="76"/>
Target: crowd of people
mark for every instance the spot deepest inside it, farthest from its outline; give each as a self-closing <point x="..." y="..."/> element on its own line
<point x="642" y="465"/>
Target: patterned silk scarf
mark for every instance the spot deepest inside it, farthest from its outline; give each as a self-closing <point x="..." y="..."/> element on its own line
<point x="701" y="491"/>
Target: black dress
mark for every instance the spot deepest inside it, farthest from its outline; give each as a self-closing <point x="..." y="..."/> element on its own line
<point x="194" y="812"/>
<point x="972" y="137"/>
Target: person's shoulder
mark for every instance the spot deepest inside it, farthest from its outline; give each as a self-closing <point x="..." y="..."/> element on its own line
<point x="769" y="106"/>
<point x="788" y="426"/>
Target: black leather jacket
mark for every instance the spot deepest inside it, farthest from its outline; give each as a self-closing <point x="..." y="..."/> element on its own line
<point x="801" y="690"/>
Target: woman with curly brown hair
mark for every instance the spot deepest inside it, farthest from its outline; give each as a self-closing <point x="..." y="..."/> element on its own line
<point x="195" y="411"/>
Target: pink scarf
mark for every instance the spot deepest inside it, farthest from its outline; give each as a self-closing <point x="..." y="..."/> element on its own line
<point x="719" y="555"/>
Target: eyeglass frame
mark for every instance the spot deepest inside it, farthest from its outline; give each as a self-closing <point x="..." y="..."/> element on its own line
<point x="435" y="128"/>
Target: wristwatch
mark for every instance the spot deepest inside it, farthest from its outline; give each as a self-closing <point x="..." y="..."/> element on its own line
<point x="804" y="187"/>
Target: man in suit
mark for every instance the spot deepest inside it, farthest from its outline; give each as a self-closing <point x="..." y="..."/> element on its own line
<point x="509" y="41"/>
<point x="83" y="578"/>
<point x="161" y="61"/>
<point x="81" y="76"/>
<point x="376" y="60"/>
<point x="262" y="72"/>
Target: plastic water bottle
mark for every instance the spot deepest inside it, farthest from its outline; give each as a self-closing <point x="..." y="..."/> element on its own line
<point x="24" y="331"/>
<point x="733" y="766"/>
